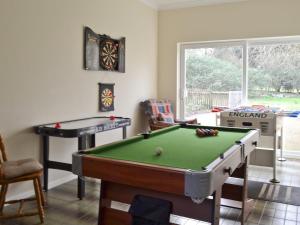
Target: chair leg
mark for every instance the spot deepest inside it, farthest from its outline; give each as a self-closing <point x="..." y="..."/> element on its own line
<point x="2" y="197"/>
<point x="38" y="199"/>
<point x="41" y="191"/>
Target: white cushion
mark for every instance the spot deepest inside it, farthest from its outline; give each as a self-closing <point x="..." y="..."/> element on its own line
<point x="14" y="169"/>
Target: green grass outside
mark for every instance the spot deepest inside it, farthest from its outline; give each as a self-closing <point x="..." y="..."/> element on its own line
<point x="286" y="103"/>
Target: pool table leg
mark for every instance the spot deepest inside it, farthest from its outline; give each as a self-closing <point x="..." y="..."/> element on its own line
<point x="237" y="190"/>
<point x="247" y="204"/>
<point x="215" y="220"/>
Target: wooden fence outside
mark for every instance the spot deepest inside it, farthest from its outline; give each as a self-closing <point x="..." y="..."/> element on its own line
<point x="198" y="100"/>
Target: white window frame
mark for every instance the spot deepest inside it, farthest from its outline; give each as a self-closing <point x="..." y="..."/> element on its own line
<point x="245" y="43"/>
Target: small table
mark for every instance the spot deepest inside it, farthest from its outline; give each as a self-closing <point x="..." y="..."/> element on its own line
<point x="84" y="130"/>
<point x="188" y="170"/>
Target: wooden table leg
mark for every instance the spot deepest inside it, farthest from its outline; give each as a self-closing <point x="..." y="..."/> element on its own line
<point x="104" y="203"/>
<point x="247" y="204"/>
<point x="216" y="207"/>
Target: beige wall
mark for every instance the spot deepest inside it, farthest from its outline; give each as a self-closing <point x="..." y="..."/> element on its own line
<point x="41" y="75"/>
<point x="254" y="18"/>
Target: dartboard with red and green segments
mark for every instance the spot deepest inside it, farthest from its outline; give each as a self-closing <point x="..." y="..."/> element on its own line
<point x="106" y="98"/>
<point x="109" y="54"/>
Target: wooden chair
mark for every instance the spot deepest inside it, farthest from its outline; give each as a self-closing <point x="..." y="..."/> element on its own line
<point x="160" y="114"/>
<point x="17" y="171"/>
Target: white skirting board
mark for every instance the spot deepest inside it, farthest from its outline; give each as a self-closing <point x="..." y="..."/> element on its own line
<point x="52" y="184"/>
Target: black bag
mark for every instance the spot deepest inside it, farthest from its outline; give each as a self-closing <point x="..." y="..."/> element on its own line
<point x="150" y="211"/>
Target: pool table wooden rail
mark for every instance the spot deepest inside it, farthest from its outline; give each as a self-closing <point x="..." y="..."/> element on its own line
<point x="131" y="173"/>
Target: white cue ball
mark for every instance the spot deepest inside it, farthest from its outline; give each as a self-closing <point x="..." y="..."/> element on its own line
<point x="158" y="151"/>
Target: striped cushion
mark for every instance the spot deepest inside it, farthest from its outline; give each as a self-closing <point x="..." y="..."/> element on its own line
<point x="154" y="107"/>
<point x="166" y="117"/>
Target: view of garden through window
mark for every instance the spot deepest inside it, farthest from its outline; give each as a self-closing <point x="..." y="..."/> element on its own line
<point x="214" y="77"/>
<point x="274" y="75"/>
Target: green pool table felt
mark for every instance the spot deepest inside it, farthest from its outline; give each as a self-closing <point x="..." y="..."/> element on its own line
<point x="182" y="148"/>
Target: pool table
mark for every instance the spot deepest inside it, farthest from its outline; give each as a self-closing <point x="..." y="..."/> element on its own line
<point x="190" y="171"/>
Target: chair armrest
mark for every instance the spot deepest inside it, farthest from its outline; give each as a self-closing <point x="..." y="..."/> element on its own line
<point x="159" y="125"/>
<point x="192" y="121"/>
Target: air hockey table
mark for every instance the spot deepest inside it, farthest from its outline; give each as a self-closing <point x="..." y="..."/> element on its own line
<point x="82" y="129"/>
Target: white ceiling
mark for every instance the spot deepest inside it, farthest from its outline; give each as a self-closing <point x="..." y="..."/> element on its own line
<point x="174" y="4"/>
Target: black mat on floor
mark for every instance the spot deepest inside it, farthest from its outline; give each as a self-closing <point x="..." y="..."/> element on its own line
<point x="274" y="192"/>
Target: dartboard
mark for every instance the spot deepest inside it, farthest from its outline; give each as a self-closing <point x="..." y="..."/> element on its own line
<point x="106" y="97"/>
<point x="109" y="54"/>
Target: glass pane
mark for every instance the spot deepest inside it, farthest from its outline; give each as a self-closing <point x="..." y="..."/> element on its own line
<point x="213" y="78"/>
<point x="274" y="75"/>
